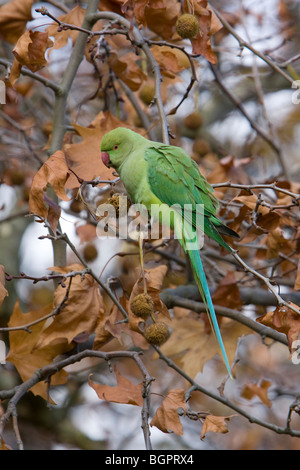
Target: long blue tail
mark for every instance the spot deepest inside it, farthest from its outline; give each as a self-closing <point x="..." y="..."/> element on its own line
<point x="201" y="281"/>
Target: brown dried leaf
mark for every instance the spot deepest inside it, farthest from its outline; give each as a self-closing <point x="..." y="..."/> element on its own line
<point x="117" y="6"/>
<point x="261" y="391"/>
<point x="81" y="312"/>
<point x="30" y="51"/>
<point x="275" y="241"/>
<point x="54" y="172"/>
<point x="139" y="7"/>
<point x="25" y="354"/>
<point x="215" y="424"/>
<point x="14" y="16"/>
<point x="127" y="70"/>
<point x="297" y="282"/>
<point x="168" y="60"/>
<point x="161" y="17"/>
<point x="166" y="417"/>
<point x="284" y="320"/>
<point x="250" y="201"/>
<point x="227" y="292"/>
<point x="125" y="392"/>
<point x="3" y="291"/>
<point x="229" y="168"/>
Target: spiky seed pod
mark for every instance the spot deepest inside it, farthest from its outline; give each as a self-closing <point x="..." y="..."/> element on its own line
<point x="157" y="333"/>
<point x="142" y="305"/>
<point x="187" y="26"/>
<point x="90" y="252"/>
<point x="193" y="121"/>
<point x="115" y="201"/>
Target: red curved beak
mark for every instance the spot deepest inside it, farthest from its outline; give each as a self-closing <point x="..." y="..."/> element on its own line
<point x="105" y="159"/>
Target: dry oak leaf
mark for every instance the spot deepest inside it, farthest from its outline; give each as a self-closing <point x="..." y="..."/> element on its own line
<point x="14" y="16"/>
<point x="125" y="392"/>
<point x="161" y="17"/>
<point x="74" y="17"/>
<point x="54" y="172"/>
<point x="297" y="282"/>
<point x="166" y="417"/>
<point x="30" y="51"/>
<point x="85" y="157"/>
<point x="127" y="70"/>
<point x="115" y="6"/>
<point x="284" y="320"/>
<point x="139" y="7"/>
<point x="275" y="242"/>
<point x="3" y="291"/>
<point x="83" y="308"/>
<point x="215" y="424"/>
<point x="191" y="345"/>
<point x="168" y="60"/>
<point x="230" y="169"/>
<point x="24" y="354"/>
<point x="250" y="201"/>
<point x="227" y="293"/>
<point x="261" y="391"/>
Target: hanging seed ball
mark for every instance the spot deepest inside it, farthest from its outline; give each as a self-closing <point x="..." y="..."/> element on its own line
<point x="142" y="305"/>
<point x="90" y="252"/>
<point x="193" y="121"/>
<point x="147" y="93"/>
<point x="76" y="206"/>
<point x="115" y="201"/>
<point x="201" y="147"/>
<point x="187" y="26"/>
<point x="157" y="333"/>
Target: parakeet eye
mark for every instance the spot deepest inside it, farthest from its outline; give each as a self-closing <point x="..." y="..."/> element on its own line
<point x="115" y="147"/>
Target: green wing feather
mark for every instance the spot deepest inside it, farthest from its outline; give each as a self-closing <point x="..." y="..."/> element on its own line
<point x="175" y="179"/>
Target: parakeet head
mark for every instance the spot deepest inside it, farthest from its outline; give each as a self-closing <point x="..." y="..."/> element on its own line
<point x="116" y="145"/>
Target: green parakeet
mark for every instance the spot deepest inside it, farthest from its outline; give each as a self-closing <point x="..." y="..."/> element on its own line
<point x="154" y="173"/>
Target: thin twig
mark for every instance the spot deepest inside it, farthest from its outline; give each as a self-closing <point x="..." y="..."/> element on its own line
<point x="251" y="121"/>
<point x="138" y="40"/>
<point x="244" y="44"/>
<point x="47" y="371"/>
<point x="249" y="187"/>
<point x="225" y="401"/>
